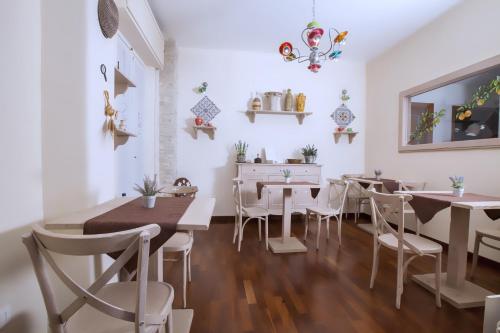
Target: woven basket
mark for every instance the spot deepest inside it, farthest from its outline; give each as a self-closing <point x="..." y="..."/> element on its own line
<point x="108" y="17"/>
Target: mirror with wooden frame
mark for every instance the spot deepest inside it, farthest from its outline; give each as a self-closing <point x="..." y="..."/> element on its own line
<point x="457" y="111"/>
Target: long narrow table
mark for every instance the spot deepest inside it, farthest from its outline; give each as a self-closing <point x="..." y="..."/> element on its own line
<point x="455" y="289"/>
<point x="196" y="217"/>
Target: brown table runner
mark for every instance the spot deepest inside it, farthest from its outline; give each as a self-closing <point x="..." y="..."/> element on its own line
<point x="426" y="205"/>
<point x="260" y="185"/>
<point x="390" y="184"/>
<point x="166" y="213"/>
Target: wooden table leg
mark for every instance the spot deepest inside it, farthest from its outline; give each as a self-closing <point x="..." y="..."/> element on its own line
<point x="457" y="249"/>
<point x="155" y="272"/>
<point x="454" y="288"/>
<point x="286" y="243"/>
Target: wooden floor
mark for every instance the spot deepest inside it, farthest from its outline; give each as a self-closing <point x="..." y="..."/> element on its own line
<point x="318" y="291"/>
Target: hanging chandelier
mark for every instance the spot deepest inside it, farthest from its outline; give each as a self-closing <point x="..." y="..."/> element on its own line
<point x="311" y="36"/>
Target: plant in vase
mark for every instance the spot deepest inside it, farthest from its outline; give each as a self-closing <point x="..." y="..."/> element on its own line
<point x="241" y="151"/>
<point x="288" y="175"/>
<point x="457" y="182"/>
<point x="378" y="173"/>
<point x="310" y="153"/>
<point x="148" y="191"/>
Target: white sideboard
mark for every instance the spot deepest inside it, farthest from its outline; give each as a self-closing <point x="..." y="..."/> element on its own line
<point x="251" y="173"/>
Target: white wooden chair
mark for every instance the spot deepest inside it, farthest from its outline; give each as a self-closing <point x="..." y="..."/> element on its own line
<point x="357" y="194"/>
<point x="390" y="207"/>
<point x="491" y="322"/>
<point x="134" y="306"/>
<point x="249" y="213"/>
<point x="337" y="192"/>
<point x="490" y="234"/>
<point x="408" y="210"/>
<point x="181" y="242"/>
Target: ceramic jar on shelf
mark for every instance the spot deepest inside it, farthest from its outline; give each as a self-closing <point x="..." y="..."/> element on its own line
<point x="288" y="100"/>
<point x="256" y="103"/>
<point x="300" y="102"/>
<point x="273" y="100"/>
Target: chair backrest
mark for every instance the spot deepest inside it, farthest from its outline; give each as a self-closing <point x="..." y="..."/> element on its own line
<point x="237" y="196"/>
<point x="40" y="241"/>
<point x="182" y="181"/>
<point x="411" y="186"/>
<point x="389" y="208"/>
<point x="337" y="194"/>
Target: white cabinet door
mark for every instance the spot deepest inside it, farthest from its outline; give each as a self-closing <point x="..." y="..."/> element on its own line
<point x="249" y="192"/>
<point x="302" y="197"/>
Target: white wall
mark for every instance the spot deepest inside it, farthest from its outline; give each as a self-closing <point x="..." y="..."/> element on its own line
<point x="232" y="77"/>
<point x="21" y="163"/>
<point x="436" y="50"/>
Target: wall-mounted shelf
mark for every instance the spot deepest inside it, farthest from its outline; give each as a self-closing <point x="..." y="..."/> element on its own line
<point x="350" y="136"/>
<point x="210" y="130"/>
<point x="122" y="83"/>
<point x="121" y="137"/>
<point x="300" y="115"/>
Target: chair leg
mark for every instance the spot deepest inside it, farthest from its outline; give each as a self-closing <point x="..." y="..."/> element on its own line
<point x="356" y="209"/>
<point x="307" y="225"/>
<point x="374" y="266"/>
<point x="170" y="322"/>
<point x="318" y="232"/>
<point x="235" y="228"/>
<point x="327" y="220"/>
<point x="266" y="231"/>
<point x="260" y="230"/>
<point x="417" y="225"/>
<point x="240" y="233"/>
<point x="339" y="229"/>
<point x="399" y="286"/>
<point x="189" y="266"/>
<point x="184" y="278"/>
<point x="475" y="255"/>
<point x="438" y="280"/>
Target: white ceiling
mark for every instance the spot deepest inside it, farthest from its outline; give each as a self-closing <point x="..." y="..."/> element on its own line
<point x="261" y="25"/>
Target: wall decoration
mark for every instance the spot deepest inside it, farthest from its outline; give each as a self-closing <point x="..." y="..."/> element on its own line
<point x="273" y="100"/>
<point x="202" y="88"/>
<point x="288" y="100"/>
<point x="110" y="113"/>
<point x="103" y="72"/>
<point x="311" y="37"/>
<point x="206" y="110"/>
<point x="300" y="102"/>
<point x="342" y="115"/>
<point x="256" y="103"/>
<point x="107" y="13"/>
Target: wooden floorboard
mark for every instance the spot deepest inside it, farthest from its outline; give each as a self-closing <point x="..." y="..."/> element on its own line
<point x="318" y="291"/>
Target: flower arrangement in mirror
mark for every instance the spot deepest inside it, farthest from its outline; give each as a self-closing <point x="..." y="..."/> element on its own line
<point x="428" y="120"/>
<point x="479" y="98"/>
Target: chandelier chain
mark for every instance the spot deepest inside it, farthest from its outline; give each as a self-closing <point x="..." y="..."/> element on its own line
<point x="314" y="10"/>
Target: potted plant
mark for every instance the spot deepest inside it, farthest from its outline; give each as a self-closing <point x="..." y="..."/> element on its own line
<point x="310" y="153"/>
<point x="378" y="173"/>
<point x="241" y="151"/>
<point x="148" y="191"/>
<point x="288" y="175"/>
<point x="457" y="182"/>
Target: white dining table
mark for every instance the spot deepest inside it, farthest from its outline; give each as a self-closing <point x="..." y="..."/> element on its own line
<point x="196" y="217"/>
<point x="288" y="243"/>
<point x="455" y="288"/>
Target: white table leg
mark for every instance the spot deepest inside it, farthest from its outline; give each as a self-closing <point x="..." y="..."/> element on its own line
<point x="286" y="243"/>
<point x="454" y="288"/>
<point x="155" y="272"/>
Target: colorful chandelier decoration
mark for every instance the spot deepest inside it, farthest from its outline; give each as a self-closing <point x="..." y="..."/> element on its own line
<point x="311" y="36"/>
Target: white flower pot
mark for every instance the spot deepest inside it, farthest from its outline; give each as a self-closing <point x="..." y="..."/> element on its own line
<point x="288" y="180"/>
<point x="148" y="201"/>
<point x="241" y="158"/>
<point x="309" y="159"/>
<point x="458" y="192"/>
